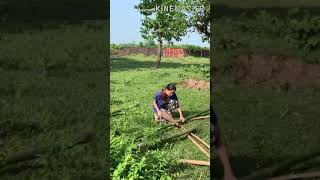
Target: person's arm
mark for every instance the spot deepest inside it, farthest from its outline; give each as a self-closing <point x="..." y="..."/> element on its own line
<point x="154" y="104"/>
<point x="223" y="155"/>
<point x="181" y="114"/>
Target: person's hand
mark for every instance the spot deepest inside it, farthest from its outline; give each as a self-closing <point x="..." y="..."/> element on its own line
<point x="182" y="119"/>
<point x="159" y="114"/>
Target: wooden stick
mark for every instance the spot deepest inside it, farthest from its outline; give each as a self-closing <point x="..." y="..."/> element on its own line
<point x="197" y="114"/>
<point x="199" y="146"/>
<point x="170" y="119"/>
<point x="201" y="117"/>
<point x="195" y="162"/>
<point x="204" y="143"/>
<point x="143" y="145"/>
<point x="297" y="176"/>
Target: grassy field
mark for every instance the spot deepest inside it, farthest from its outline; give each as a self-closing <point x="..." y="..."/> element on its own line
<point x="133" y="85"/>
<point x="51" y="86"/>
<point x="269" y="3"/>
<point x="264" y="127"/>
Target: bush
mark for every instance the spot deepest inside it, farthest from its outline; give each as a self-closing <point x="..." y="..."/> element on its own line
<point x="128" y="162"/>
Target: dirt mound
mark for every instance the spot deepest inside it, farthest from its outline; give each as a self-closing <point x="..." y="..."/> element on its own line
<point x="275" y="71"/>
<point x="196" y="84"/>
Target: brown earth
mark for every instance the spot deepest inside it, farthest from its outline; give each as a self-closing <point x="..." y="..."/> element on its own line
<point x="196" y="84"/>
<point x="275" y="71"/>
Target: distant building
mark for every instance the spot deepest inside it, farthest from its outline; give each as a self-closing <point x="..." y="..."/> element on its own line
<point x="174" y="52"/>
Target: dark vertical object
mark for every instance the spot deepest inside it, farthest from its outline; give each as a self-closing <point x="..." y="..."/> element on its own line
<point x="106" y="138"/>
<point x="211" y="87"/>
<point x="157" y="65"/>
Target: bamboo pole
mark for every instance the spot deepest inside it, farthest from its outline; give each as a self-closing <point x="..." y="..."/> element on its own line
<point x="201" y="117"/>
<point x="196" y="137"/>
<point x="297" y="176"/>
<point x="170" y="119"/>
<point x="204" y="143"/>
<point x="194" y="162"/>
<point x="185" y="132"/>
<point x="197" y="114"/>
<point x="199" y="146"/>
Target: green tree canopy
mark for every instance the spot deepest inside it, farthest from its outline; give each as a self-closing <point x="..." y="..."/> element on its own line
<point x="162" y="22"/>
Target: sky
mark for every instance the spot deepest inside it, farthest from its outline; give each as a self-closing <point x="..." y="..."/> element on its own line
<point x="125" y="24"/>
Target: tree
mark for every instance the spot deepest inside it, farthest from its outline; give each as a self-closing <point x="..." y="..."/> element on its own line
<point x="162" y="22"/>
<point x="199" y="16"/>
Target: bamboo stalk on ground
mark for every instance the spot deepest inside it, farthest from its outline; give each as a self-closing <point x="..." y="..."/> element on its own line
<point x="185" y="132"/>
<point x="298" y="176"/>
<point x="197" y="114"/>
<point x="171" y="119"/>
<point x="196" y="137"/>
<point x="204" y="143"/>
<point x="201" y="117"/>
<point x="199" y="146"/>
<point x="194" y="162"/>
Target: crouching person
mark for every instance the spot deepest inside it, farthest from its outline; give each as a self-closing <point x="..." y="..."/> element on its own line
<point x="165" y="102"/>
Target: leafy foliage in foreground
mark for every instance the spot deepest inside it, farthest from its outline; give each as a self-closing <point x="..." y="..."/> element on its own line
<point x="129" y="162"/>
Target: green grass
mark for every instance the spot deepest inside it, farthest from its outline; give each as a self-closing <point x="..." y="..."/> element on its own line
<point x="269" y="3"/>
<point x="133" y="85"/>
<point x="53" y="109"/>
<point x="264" y="127"/>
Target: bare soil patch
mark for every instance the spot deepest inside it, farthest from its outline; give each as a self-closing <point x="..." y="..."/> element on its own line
<point x="275" y="71"/>
<point x="196" y="84"/>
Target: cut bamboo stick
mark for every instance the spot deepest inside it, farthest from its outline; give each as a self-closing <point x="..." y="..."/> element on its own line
<point x="196" y="137"/>
<point x="195" y="162"/>
<point x="204" y="143"/>
<point x="201" y="117"/>
<point x="197" y="114"/>
<point x="297" y="176"/>
<point x="170" y="119"/>
<point x="199" y="146"/>
<point x="185" y="132"/>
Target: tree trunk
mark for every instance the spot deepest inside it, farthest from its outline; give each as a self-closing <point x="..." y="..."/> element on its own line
<point x="157" y="65"/>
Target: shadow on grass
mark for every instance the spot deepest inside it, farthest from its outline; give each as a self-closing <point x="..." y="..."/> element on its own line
<point x="125" y="64"/>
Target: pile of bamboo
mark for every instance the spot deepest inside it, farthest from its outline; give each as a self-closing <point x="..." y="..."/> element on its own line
<point x="197" y="141"/>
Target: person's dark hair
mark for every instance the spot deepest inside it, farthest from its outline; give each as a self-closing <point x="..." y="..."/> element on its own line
<point x="169" y="87"/>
